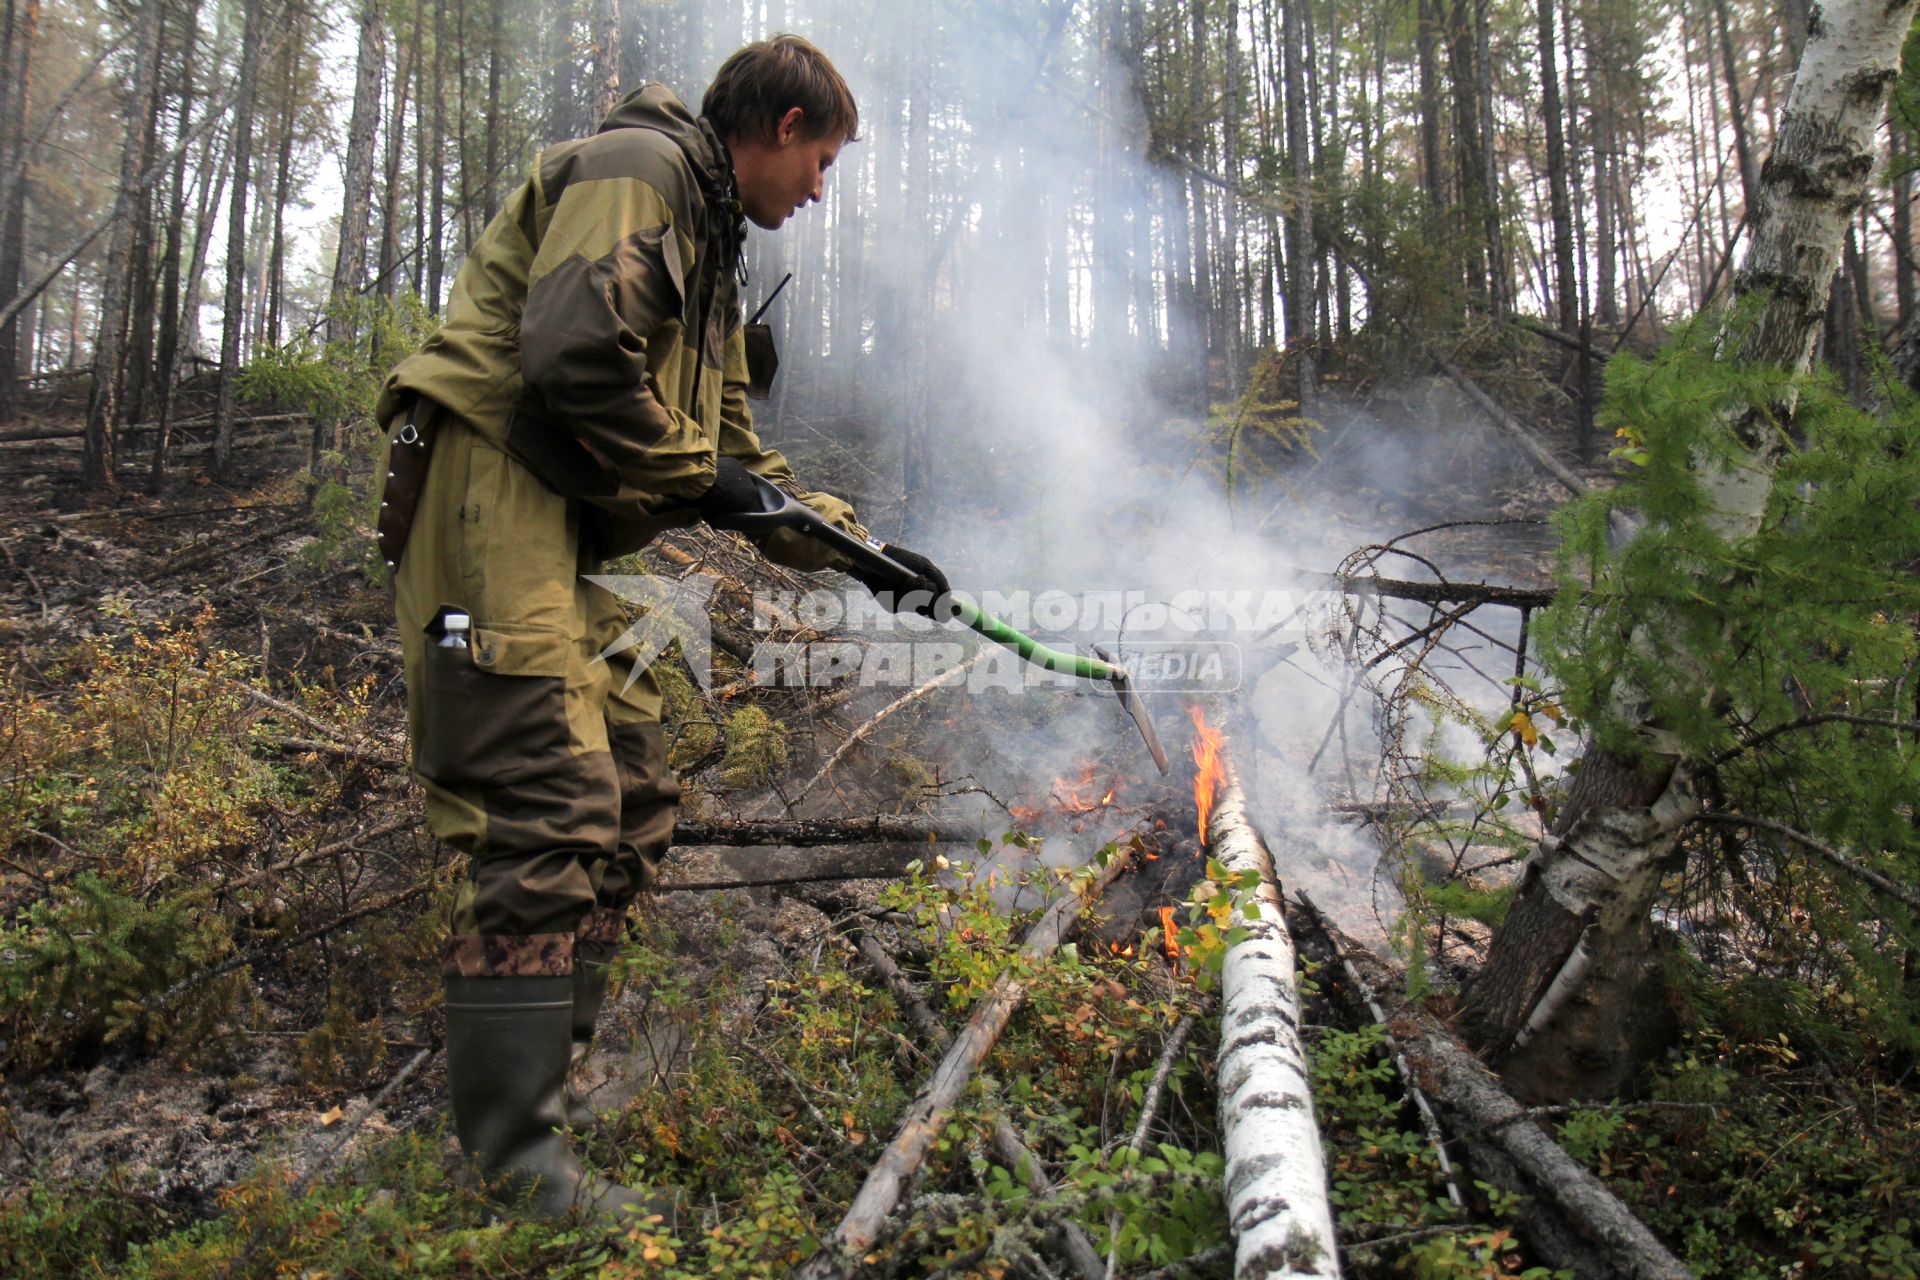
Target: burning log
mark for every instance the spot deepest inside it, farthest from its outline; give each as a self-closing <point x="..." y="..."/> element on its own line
<point x="1276" y="1183"/>
<point x="887" y="1181"/>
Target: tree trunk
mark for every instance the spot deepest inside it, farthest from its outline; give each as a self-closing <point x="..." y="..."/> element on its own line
<point x="1432" y="167"/>
<point x="1903" y="246"/>
<point x="22" y="31"/>
<point x="241" y="159"/>
<point x="606" y="58"/>
<point x="103" y="406"/>
<point x="560" y="55"/>
<point x="396" y="151"/>
<point x="495" y="56"/>
<point x="1300" y="265"/>
<point x="350" y="261"/>
<point x="1566" y="286"/>
<point x="1499" y="283"/>
<point x="1569" y="971"/>
<point x="166" y="364"/>
<point x="437" y="219"/>
<point x="282" y="176"/>
<point x="1466" y="140"/>
<point x="210" y="182"/>
<point x="1736" y="109"/>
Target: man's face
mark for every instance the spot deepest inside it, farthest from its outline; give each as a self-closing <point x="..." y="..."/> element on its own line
<point x="780" y="177"/>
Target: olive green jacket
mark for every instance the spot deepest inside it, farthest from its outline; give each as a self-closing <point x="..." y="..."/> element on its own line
<point x="567" y="341"/>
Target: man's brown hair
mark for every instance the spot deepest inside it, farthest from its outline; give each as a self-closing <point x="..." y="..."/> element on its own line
<point x="763" y="81"/>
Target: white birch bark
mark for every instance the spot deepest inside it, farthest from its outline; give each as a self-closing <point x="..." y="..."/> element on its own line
<point x="1602" y="868"/>
<point x="1276" y="1181"/>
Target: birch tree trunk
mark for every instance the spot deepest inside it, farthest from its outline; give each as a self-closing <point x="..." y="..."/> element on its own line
<point x="1565" y="986"/>
<point x="109" y="348"/>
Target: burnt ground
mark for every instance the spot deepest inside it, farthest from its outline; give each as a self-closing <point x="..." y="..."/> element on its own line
<point x="295" y="600"/>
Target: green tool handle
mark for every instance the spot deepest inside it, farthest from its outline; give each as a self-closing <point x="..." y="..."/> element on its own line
<point x="1026" y="646"/>
<point x="780" y="510"/>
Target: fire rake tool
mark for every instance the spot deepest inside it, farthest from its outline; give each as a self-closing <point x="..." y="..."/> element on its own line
<point x="780" y="510"/>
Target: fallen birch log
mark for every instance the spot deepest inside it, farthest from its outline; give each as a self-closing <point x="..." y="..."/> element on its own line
<point x="847" y="1247"/>
<point x="1276" y="1181"/>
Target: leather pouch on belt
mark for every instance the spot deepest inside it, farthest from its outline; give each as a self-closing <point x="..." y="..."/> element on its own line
<point x="409" y="450"/>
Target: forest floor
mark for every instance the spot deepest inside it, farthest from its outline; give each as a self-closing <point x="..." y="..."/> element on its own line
<point x="221" y="916"/>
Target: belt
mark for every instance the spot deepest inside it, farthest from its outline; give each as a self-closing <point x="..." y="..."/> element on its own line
<point x="409" y="450"/>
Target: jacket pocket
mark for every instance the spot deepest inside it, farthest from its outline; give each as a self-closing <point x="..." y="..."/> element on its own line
<point x="494" y="711"/>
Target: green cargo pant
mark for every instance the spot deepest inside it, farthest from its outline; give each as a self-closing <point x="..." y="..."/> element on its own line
<point x="539" y="762"/>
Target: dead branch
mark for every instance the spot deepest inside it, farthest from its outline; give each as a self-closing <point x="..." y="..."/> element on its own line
<point x="1149" y="1107"/>
<point x="1431" y="592"/>
<point x="1808" y="722"/>
<point x="261" y="950"/>
<point x="1577" y="1221"/>
<point x="1601" y="1224"/>
<point x="946" y="677"/>
<point x="704" y="870"/>
<point x="1832" y="856"/>
<point x="220" y="547"/>
<point x="341" y="751"/>
<point x="325" y="851"/>
<point x="1012" y="1148"/>
<point x="887" y="1181"/>
<point x="1529" y="443"/>
<point x="1369" y="1001"/>
<point x="814" y="831"/>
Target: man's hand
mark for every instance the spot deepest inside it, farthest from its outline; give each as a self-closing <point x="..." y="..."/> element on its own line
<point x="927" y="597"/>
<point x="733" y="491"/>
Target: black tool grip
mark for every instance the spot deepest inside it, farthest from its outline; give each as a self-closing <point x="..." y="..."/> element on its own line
<point x="781" y="510"/>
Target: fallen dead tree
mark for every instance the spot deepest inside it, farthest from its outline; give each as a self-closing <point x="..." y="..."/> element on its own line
<point x="1276" y="1179"/>
<point x="1573" y="1220"/>
<point x="695" y="869"/>
<point x="812" y="831"/>
<point x="842" y="1252"/>
<point x="1067" y="1236"/>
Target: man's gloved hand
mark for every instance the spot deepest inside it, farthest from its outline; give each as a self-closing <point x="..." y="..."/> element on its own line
<point x="733" y="491"/>
<point x="927" y="597"/>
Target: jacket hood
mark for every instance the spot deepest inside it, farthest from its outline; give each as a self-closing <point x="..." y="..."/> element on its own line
<point x="656" y="107"/>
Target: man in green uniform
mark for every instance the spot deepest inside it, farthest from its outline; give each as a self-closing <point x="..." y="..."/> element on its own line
<point x="587" y="391"/>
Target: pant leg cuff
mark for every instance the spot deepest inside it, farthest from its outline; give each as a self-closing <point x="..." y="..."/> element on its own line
<point x="507" y="955"/>
<point x="604" y="926"/>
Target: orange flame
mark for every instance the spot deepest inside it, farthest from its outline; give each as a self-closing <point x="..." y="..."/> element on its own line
<point x="1210" y="774"/>
<point x="1169" y="933"/>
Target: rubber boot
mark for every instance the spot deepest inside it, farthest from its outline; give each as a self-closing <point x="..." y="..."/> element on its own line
<point x="592" y="964"/>
<point x="507" y="1058"/>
